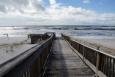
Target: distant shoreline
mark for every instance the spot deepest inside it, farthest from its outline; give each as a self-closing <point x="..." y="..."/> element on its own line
<point x="56" y="25"/>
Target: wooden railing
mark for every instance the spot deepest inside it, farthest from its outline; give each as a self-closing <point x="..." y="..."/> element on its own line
<point x="30" y="63"/>
<point x="101" y="63"/>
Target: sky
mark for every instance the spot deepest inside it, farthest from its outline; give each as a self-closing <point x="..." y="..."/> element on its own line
<point x="57" y="12"/>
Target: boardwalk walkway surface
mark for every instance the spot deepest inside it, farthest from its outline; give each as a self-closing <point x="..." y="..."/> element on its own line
<point x="63" y="62"/>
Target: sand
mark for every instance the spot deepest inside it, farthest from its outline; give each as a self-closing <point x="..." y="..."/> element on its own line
<point x="106" y="45"/>
<point x="13" y="40"/>
<point x="12" y="47"/>
<point x="110" y="43"/>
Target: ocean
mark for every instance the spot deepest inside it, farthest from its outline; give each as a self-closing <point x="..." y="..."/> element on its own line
<point x="71" y="30"/>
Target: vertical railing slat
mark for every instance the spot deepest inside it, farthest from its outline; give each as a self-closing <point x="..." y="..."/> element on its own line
<point x="103" y="62"/>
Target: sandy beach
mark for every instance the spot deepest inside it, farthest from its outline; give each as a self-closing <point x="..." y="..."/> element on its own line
<point x="110" y="43"/>
<point x="12" y="47"/>
<point x="13" y="40"/>
<point x="104" y="44"/>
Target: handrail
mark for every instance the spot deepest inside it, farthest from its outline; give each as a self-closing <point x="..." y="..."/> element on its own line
<point x="29" y="63"/>
<point x="103" y="63"/>
<point x="96" y="50"/>
<point x="93" y="48"/>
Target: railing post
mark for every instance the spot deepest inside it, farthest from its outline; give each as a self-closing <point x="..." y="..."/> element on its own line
<point x="97" y="64"/>
<point x="103" y="64"/>
<point x="83" y="52"/>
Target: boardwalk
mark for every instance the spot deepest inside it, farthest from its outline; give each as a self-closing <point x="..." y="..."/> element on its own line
<point x="63" y="62"/>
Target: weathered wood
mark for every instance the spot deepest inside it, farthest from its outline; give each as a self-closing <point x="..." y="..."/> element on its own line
<point x="98" y="61"/>
<point x="63" y="62"/>
<point x="30" y="63"/>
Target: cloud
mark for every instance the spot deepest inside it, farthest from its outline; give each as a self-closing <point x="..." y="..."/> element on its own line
<point x="52" y="2"/>
<point x="30" y="12"/>
<point x="86" y="1"/>
<point x="32" y="6"/>
<point x="77" y="15"/>
<point x="2" y="8"/>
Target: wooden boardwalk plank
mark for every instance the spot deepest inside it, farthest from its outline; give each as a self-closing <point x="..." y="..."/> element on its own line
<point x="63" y="62"/>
